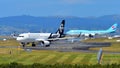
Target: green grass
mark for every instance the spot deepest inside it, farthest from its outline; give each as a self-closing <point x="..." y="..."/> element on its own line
<point x="53" y="57"/>
<point x="8" y="55"/>
<point x="9" y="42"/>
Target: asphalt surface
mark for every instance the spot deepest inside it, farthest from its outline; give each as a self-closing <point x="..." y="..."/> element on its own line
<point x="66" y="46"/>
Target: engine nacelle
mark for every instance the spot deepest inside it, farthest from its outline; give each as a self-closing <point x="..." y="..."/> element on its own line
<point x="89" y="35"/>
<point x="45" y="43"/>
<point x="85" y="34"/>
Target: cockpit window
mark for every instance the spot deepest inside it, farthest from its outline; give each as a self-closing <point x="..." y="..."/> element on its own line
<point x="21" y="36"/>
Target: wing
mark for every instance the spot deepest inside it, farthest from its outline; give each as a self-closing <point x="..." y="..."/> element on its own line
<point x="38" y="40"/>
<point x="64" y="38"/>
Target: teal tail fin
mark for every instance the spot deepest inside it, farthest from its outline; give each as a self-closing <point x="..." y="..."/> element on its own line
<point x="113" y="27"/>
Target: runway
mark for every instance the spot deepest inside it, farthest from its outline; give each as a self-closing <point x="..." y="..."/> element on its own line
<point x="63" y="46"/>
<point x="68" y="46"/>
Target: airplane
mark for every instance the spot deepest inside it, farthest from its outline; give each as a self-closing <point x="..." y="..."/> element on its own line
<point x="91" y="33"/>
<point x="43" y="39"/>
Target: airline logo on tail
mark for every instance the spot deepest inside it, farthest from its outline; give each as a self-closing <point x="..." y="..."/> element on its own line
<point x="113" y="27"/>
<point x="60" y="30"/>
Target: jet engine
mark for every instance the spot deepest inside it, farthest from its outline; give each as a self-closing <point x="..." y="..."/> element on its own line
<point x="45" y="43"/>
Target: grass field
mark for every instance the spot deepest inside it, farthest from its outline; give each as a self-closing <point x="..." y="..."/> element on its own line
<point x="53" y="57"/>
<point x="8" y="55"/>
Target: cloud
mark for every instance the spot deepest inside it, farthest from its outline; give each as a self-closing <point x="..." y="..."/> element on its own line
<point x="77" y="1"/>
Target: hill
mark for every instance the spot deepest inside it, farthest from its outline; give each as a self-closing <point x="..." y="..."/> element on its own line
<point x="26" y="23"/>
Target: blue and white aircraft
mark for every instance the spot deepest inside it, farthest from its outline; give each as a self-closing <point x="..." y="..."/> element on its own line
<point x="92" y="33"/>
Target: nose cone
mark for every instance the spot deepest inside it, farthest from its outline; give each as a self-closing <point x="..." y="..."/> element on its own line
<point x="19" y="39"/>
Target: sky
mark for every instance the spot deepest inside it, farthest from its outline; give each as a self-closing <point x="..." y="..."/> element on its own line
<point x="79" y="8"/>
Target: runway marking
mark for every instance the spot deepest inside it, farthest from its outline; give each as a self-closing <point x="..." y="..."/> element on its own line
<point x="63" y="58"/>
<point x="47" y="58"/>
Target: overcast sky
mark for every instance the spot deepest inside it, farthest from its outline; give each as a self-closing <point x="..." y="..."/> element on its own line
<point x="79" y="8"/>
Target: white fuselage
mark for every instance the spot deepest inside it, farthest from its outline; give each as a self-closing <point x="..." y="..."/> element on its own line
<point x="33" y="37"/>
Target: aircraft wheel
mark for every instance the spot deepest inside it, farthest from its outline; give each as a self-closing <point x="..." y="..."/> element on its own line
<point x="33" y="44"/>
<point x="23" y="44"/>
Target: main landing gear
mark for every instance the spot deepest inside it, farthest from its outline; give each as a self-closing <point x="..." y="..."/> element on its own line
<point x="33" y="44"/>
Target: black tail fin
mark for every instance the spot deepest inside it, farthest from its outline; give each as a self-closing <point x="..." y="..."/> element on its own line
<point x="60" y="30"/>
